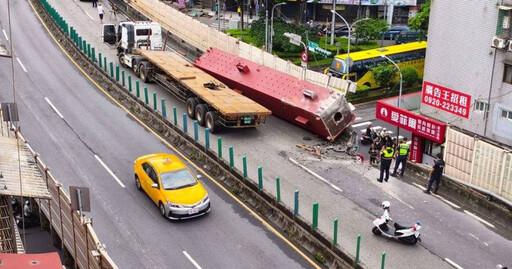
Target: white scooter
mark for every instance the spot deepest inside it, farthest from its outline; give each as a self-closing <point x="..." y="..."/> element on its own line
<point x="408" y="235"/>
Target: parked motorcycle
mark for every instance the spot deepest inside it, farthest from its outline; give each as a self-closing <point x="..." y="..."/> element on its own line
<point x="16" y="207"/>
<point x="408" y="235"/>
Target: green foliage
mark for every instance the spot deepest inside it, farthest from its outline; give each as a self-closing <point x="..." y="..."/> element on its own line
<point x="409" y="75"/>
<point x="420" y="21"/>
<point x="371" y="29"/>
<point x="384" y="74"/>
<point x="319" y="257"/>
<point x="281" y="43"/>
<point x="344" y="44"/>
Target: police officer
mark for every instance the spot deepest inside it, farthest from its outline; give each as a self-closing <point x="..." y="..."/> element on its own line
<point x="401" y="157"/>
<point x="436" y="174"/>
<point x="386" y="156"/>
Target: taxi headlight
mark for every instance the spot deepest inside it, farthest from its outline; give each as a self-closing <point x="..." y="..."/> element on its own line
<point x="206" y="198"/>
<point x="174" y="205"/>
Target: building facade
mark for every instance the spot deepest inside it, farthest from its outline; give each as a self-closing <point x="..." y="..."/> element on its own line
<point x="462" y="57"/>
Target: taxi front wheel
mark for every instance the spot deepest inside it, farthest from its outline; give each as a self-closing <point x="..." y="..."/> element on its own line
<point x="137" y="183"/>
<point x="162" y="209"/>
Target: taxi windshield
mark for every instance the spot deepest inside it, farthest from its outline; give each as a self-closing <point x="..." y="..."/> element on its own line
<point x="338" y="66"/>
<point x="177" y="179"/>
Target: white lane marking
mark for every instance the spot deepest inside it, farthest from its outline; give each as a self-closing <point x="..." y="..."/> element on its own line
<point x="88" y="15"/>
<point x="53" y="107"/>
<point x="446" y="201"/>
<point x="376" y="128"/>
<point x="358" y="118"/>
<point x="5" y="34"/>
<point x="361" y="124"/>
<point x="486" y="244"/>
<point x="22" y="66"/>
<point x="452" y="263"/>
<point x="479" y="219"/>
<point x="191" y="260"/>
<point x="314" y="174"/>
<point x="476" y="237"/>
<point x="396" y="197"/>
<point x="419" y="186"/>
<point x="109" y="171"/>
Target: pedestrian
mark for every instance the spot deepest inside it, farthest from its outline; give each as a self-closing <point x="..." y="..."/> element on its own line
<point x="239" y="11"/>
<point x="401" y="156"/>
<point x="94" y="3"/>
<point x="436" y="174"/>
<point x="386" y="156"/>
<point x="374" y="154"/>
<point x="100" y="12"/>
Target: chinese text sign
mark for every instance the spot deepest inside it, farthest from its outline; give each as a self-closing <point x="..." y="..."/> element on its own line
<point x="446" y="99"/>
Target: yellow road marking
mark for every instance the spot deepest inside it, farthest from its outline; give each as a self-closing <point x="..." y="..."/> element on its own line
<point x="265" y="223"/>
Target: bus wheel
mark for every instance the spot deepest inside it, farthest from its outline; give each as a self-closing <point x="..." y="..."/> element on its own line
<point x="211" y="119"/>
<point x="201" y="111"/>
<point x="367" y="84"/>
<point x="191" y="107"/>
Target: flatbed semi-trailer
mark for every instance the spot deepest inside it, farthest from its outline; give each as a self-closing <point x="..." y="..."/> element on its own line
<point x="211" y="102"/>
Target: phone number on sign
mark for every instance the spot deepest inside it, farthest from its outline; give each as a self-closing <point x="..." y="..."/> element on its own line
<point x="445" y="105"/>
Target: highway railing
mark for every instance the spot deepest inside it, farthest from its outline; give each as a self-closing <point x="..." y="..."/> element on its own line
<point x="204" y="37"/>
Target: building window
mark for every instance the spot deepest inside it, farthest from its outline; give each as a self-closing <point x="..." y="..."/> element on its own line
<point x="507" y="75"/>
<point x="506" y="114"/>
<point x="432" y="148"/>
<point x="481" y="106"/>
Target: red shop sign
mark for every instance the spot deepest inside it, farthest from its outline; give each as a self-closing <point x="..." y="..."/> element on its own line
<point x="451" y="101"/>
<point x="415" y="154"/>
<point x="417" y="124"/>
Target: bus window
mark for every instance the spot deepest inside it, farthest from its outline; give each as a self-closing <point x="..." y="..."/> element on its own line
<point x="338" y="66"/>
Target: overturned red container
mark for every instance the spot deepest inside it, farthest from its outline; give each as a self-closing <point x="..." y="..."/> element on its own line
<point x="315" y="108"/>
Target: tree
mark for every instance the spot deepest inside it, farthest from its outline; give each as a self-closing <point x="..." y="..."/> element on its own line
<point x="384" y="74"/>
<point x="420" y="21"/>
<point x="409" y="75"/>
<point x="371" y="29"/>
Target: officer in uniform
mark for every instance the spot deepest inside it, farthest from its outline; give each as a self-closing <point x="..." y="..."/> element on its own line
<point x="386" y="156"/>
<point x="401" y="157"/>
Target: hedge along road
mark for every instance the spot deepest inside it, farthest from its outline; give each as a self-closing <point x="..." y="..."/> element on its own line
<point x="269" y="146"/>
<point x="86" y="140"/>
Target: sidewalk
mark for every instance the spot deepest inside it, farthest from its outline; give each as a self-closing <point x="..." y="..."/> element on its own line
<point x="356" y="205"/>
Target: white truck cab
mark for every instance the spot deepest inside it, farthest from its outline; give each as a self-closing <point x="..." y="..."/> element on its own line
<point x="130" y="35"/>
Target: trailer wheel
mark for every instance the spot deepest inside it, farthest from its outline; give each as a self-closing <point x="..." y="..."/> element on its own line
<point x="201" y="111"/>
<point x="143" y="74"/>
<point x="211" y="119"/>
<point x="191" y="107"/>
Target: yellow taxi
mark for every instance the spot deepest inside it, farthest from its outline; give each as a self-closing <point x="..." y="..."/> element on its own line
<point x="171" y="186"/>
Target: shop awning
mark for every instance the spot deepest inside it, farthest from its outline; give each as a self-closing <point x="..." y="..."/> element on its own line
<point x="30" y="261"/>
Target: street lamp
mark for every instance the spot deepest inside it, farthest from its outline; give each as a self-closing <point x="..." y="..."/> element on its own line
<point x="400" y="92"/>
<point x="272" y="25"/>
<point x="349" y="37"/>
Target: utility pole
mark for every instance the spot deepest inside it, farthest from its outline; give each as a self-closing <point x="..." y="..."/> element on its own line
<point x="358" y="17"/>
<point x="266" y="25"/>
<point x="242" y="15"/>
<point x="333" y="21"/>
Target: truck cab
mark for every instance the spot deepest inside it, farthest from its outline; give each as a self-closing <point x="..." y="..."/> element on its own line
<point x="131" y="35"/>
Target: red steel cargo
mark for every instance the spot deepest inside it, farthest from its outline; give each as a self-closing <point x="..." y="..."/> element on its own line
<point x="315" y="108"/>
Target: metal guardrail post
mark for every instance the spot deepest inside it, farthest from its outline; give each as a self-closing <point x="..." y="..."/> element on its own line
<point x="129" y="83"/>
<point x="185" y="122"/>
<point x="117" y="73"/>
<point x="335" y="233"/>
<point x="260" y="177"/>
<point x="296" y="203"/>
<point x="93" y="54"/>
<point x="207" y="138"/>
<point x="84" y="46"/>
<point x="231" y="157"/>
<point x="112" y="69"/>
<point x="315" y="216"/>
<point x="244" y="164"/>
<point x="175" y="115"/>
<point x="196" y="131"/>
<point x="219" y="146"/>
<point x="278" y="189"/>
<point x="137" y="88"/>
<point x="122" y="78"/>
<point x="357" y="247"/>
<point x="105" y="63"/>
<point x="146" y="96"/>
<point x="164" y="111"/>
<point x="89" y="52"/>
<point x="154" y="101"/>
<point x="383" y="261"/>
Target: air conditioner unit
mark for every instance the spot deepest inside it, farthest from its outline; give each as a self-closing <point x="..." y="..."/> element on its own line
<point x="498" y="42"/>
<point x="506" y="22"/>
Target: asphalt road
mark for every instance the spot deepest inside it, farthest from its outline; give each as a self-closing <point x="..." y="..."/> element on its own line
<point x="272" y="145"/>
<point x="83" y="125"/>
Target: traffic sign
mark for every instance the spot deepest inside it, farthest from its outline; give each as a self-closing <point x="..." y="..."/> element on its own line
<point x="304" y="57"/>
<point x="312" y="44"/>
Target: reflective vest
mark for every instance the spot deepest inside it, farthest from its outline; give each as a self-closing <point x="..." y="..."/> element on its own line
<point x="388" y="153"/>
<point x="404" y="149"/>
